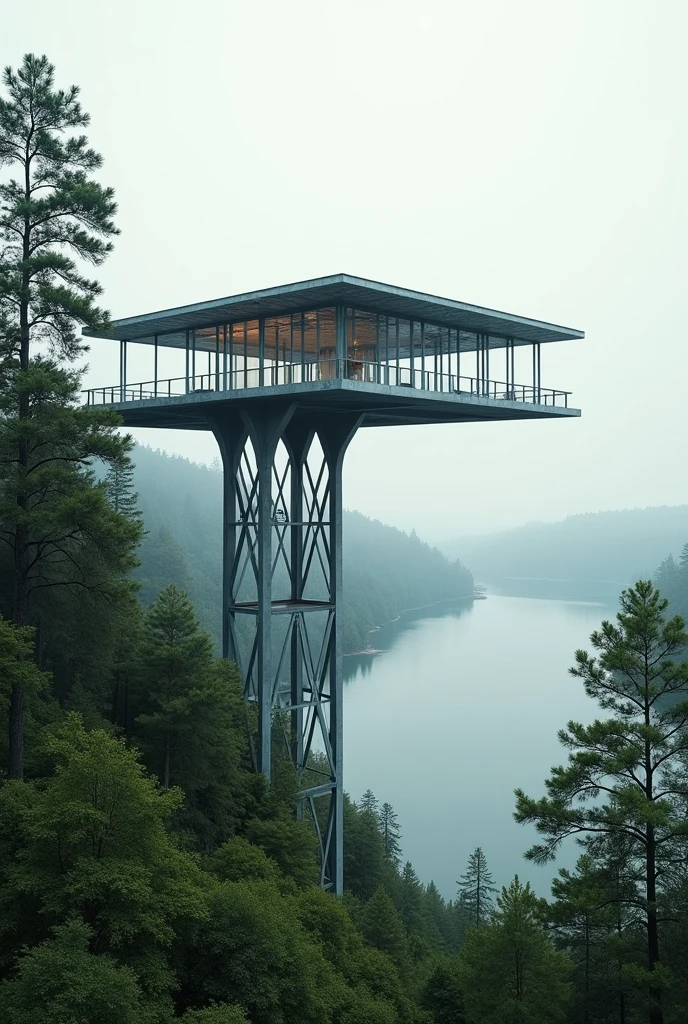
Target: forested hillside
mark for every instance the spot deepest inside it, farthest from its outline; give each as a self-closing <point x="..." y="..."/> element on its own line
<point x="385" y="570"/>
<point x="149" y="874"/>
<point x="615" y="546"/>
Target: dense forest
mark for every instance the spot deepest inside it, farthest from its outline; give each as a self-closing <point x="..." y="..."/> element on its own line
<point x="385" y="571"/>
<point x="148" y="873"/>
<point x="616" y="547"/>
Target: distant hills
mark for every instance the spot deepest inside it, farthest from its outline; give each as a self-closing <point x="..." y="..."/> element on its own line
<point x="385" y="570"/>
<point x="610" y="549"/>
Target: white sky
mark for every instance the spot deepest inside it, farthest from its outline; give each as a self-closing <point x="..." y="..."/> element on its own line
<point x="528" y="155"/>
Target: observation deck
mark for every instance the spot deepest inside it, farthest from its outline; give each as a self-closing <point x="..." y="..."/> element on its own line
<point x="333" y="345"/>
<point x="284" y="378"/>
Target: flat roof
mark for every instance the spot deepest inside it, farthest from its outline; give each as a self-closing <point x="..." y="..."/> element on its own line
<point x="338" y="289"/>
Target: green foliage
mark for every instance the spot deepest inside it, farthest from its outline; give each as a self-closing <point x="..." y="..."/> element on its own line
<point x="509" y="972"/>
<point x="17" y="667"/>
<point x="61" y="982"/>
<point x="119" y="491"/>
<point x="190" y="713"/>
<point x="218" y="1013"/>
<point x="383" y="927"/>
<point x="292" y="845"/>
<point x="54" y="209"/>
<point x="442" y="994"/>
<point x="238" y="859"/>
<point x="390" y="832"/>
<point x="594" y="920"/>
<point x="363" y="851"/>
<point x="56" y="522"/>
<point x="410" y="900"/>
<point x="91" y="844"/>
<point x="476" y="888"/>
<point x="252" y="952"/>
<point x="625" y="777"/>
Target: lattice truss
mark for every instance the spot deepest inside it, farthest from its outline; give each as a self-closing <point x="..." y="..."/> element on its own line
<point x="282" y="610"/>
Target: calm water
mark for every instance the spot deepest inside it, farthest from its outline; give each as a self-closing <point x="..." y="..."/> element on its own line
<point x="463" y="706"/>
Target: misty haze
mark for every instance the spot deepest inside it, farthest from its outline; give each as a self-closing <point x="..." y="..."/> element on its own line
<point x="344" y="575"/>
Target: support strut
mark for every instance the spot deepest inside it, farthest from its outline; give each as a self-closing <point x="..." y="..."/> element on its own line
<point x="282" y="597"/>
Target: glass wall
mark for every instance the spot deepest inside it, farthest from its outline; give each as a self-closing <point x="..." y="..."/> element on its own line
<point x="302" y="347"/>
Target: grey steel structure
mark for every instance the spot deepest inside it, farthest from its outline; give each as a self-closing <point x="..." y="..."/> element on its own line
<point x="284" y="377"/>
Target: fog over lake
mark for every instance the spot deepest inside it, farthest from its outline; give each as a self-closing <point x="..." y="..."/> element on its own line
<point x="472" y="693"/>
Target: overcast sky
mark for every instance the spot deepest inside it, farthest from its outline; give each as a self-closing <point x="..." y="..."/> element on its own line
<point x="528" y="155"/>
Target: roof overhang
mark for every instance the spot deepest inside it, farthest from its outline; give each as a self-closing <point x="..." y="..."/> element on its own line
<point x="339" y="289"/>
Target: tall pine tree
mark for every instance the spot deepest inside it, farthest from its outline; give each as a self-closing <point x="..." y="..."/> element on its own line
<point x="476" y="889"/>
<point x="625" y="778"/>
<point x="390" y="832"/>
<point x="54" y="215"/>
<point x="119" y="490"/>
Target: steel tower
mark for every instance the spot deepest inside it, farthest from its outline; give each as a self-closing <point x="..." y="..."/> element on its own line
<point x="284" y="377"/>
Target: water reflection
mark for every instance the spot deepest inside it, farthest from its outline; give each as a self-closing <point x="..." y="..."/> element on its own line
<point x="384" y="638"/>
<point x="463" y="706"/>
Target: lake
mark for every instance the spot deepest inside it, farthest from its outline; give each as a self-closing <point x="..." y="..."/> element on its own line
<point x="462" y="707"/>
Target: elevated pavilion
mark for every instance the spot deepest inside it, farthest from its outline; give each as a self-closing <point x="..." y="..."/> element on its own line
<point x="284" y="377"/>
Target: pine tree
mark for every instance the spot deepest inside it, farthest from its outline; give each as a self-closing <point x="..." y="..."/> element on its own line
<point x="666" y="575"/>
<point x="190" y="724"/>
<point x="683" y="559"/>
<point x="364" y="861"/>
<point x="589" y="916"/>
<point x="382" y="926"/>
<point x="52" y="213"/>
<point x="410" y="901"/>
<point x="368" y="802"/>
<point x="119" y="490"/>
<point x="509" y="970"/>
<point x="390" y="832"/>
<point x="476" y="889"/>
<point x="176" y="660"/>
<point x="631" y="766"/>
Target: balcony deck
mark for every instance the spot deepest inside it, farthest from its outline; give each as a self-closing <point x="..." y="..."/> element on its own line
<point x="383" y="394"/>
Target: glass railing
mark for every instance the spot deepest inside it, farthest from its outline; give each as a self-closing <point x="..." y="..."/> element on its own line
<point x="384" y="375"/>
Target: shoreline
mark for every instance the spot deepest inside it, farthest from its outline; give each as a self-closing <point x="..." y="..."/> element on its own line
<point x="370" y="652"/>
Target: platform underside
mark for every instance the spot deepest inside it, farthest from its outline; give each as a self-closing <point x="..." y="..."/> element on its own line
<point x="380" y="405"/>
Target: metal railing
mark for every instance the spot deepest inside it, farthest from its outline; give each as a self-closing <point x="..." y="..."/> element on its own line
<point x="278" y="374"/>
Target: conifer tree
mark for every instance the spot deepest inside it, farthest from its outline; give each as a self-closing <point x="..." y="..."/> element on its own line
<point x="589" y="916"/>
<point x="410" y="901"/>
<point x="476" y="889"/>
<point x="509" y="970"/>
<point x="190" y="721"/>
<point x="176" y="658"/>
<point x="390" y="832"/>
<point x="683" y="558"/>
<point x="119" y="489"/>
<point x="364" y="861"/>
<point x="625" y="777"/>
<point x="369" y="802"/>
<point x="54" y="216"/>
<point x="382" y="926"/>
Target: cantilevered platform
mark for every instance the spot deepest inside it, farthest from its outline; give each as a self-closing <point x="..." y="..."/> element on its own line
<point x="337" y="344"/>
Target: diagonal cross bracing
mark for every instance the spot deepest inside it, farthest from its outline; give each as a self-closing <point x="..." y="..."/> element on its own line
<point x="282" y="597"/>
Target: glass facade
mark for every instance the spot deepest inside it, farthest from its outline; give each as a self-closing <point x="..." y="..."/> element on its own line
<point x="342" y="342"/>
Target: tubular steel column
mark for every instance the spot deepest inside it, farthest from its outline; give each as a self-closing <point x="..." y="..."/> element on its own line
<point x="282" y="591"/>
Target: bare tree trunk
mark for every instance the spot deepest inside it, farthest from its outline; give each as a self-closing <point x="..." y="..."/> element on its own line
<point x="656" y="1015"/>
<point x="21" y="539"/>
